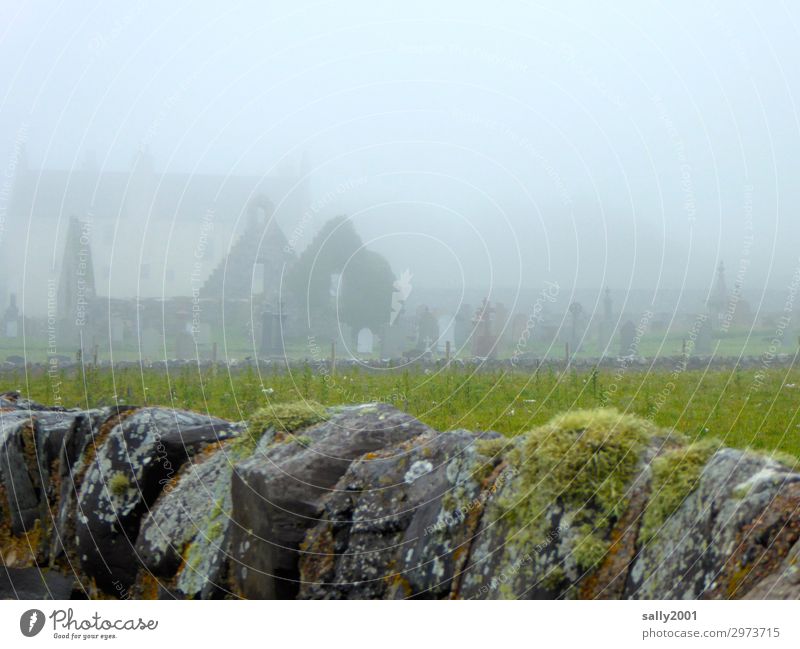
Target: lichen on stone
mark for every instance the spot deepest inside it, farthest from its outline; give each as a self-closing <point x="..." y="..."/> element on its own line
<point x="675" y="475"/>
<point x="554" y="579"/>
<point x="585" y="461"/>
<point x="118" y="484"/>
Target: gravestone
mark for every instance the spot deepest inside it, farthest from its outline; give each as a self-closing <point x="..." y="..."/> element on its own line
<point x="463" y="325"/>
<point x="427" y="327"/>
<point x="117" y="330"/>
<point x="365" y="341"/>
<point x="627" y="335"/>
<point x="11" y="318"/>
<point x="398" y="337"/>
<point x="704" y="340"/>
<point x="483" y="342"/>
<point x="152" y="343"/>
<point x="447" y="332"/>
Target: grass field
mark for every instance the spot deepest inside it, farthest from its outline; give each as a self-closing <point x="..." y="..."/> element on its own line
<point x="734" y="343"/>
<point x="743" y="408"/>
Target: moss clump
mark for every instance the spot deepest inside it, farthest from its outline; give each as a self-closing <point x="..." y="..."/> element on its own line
<point x="589" y="550"/>
<point x="304" y="441"/>
<point x="492" y="447"/>
<point x="283" y="419"/>
<point x="118" y="484"/>
<point x="676" y="474"/>
<point x="585" y="460"/>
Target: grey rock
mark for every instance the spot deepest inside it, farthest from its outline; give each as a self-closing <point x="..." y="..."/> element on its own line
<point x="137" y="458"/>
<point x="688" y="555"/>
<point x="277" y="493"/>
<point x="399" y="522"/>
<point x="33" y="583"/>
<point x="184" y="540"/>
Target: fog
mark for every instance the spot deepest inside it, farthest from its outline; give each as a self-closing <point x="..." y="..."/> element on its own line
<point x="484" y="148"/>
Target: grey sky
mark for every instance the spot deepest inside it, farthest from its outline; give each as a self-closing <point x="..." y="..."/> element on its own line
<point x="593" y="143"/>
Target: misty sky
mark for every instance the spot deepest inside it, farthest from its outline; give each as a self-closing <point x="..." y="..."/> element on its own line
<point x="480" y="144"/>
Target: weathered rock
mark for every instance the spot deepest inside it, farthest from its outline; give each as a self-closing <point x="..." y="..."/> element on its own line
<point x="784" y="583"/>
<point x="764" y="560"/>
<point x="78" y="447"/>
<point x="132" y="464"/>
<point x="400" y="521"/>
<point x="277" y="494"/>
<point x="33" y="583"/>
<point x="19" y="484"/>
<point x="184" y="540"/>
<point x="500" y="566"/>
<point x="542" y="556"/>
<point x="688" y="557"/>
<point x="371" y="503"/>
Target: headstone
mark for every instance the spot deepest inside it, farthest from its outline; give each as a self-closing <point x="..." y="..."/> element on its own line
<point x="397" y="338"/>
<point x="575" y="311"/>
<point x="627" y="335"/>
<point x="267" y="332"/>
<point x="11" y="318"/>
<point x="447" y="332"/>
<point x="483" y="342"/>
<point x="202" y="334"/>
<point x="501" y="325"/>
<point x="427" y="327"/>
<point x="463" y="325"/>
<point x="117" y="330"/>
<point x="152" y="343"/>
<point x="185" y="345"/>
<point x="703" y="342"/>
<point x="365" y="341"/>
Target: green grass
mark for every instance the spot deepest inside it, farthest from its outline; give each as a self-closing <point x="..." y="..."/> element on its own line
<point x="734" y="343"/>
<point x="740" y="408"/>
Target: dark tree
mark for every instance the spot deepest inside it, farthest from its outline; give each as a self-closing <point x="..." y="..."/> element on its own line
<point x="364" y="282"/>
<point x="366" y="296"/>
